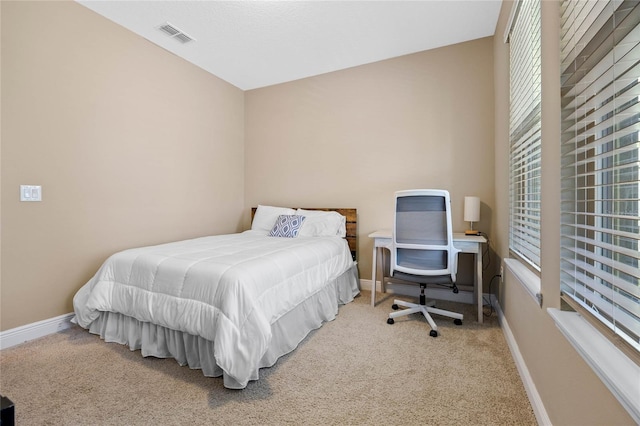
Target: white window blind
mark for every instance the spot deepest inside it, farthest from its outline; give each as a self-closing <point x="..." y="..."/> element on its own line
<point x="600" y="52"/>
<point x="524" y="132"/>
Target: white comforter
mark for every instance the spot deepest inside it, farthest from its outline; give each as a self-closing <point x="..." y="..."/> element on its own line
<point x="228" y="288"/>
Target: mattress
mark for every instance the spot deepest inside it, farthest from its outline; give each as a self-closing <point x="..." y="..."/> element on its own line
<point x="227" y="304"/>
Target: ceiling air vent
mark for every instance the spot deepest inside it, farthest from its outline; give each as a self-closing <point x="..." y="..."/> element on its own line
<point x="175" y="33"/>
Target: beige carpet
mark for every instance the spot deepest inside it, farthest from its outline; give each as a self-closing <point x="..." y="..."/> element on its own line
<point x="354" y="370"/>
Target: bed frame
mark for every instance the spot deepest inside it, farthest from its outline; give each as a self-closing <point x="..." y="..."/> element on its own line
<point x="351" y="216"/>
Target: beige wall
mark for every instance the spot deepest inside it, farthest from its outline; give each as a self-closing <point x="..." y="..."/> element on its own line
<point x="352" y="138"/>
<point x="571" y="393"/>
<point x="132" y="146"/>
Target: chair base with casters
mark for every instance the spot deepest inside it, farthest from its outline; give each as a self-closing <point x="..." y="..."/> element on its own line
<point x="425" y="308"/>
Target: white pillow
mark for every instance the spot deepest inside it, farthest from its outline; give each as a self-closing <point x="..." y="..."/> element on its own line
<point x="266" y="216"/>
<point x="319" y="223"/>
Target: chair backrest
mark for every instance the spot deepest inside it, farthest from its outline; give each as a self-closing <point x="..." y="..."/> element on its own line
<point x="422" y="234"/>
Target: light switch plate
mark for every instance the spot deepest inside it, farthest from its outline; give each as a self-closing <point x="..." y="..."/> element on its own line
<point x="30" y="193"/>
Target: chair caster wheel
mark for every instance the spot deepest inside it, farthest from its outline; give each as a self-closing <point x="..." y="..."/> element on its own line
<point x="394" y="307"/>
<point x="390" y="321"/>
<point x="433" y="333"/>
<point x="457" y="322"/>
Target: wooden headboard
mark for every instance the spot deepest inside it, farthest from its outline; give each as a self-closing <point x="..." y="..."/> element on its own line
<point x="351" y="216"/>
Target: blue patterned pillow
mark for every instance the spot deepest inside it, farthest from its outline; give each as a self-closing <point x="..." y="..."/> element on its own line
<point x="287" y="226"/>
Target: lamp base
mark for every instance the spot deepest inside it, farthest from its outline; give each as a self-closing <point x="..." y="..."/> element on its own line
<point x="471" y="232"/>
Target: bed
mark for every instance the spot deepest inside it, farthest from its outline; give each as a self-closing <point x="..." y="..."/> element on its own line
<point x="227" y="304"/>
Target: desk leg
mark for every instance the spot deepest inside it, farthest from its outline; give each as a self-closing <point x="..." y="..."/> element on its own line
<point x="478" y="282"/>
<point x="374" y="269"/>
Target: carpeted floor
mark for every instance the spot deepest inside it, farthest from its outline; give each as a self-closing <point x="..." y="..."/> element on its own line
<point x="354" y="370"/>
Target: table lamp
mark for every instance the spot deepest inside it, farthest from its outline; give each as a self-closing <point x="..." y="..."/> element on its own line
<point x="471" y="213"/>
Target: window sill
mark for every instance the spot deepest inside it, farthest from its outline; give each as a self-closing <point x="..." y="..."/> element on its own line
<point x="527" y="278"/>
<point x="620" y="374"/>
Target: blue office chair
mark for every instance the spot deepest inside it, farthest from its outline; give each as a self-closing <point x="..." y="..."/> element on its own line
<point x="422" y="249"/>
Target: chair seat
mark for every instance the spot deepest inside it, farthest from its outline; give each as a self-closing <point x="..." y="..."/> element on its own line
<point x="423" y="279"/>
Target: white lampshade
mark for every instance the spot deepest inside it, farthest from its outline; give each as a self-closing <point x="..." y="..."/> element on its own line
<point x="471" y="209"/>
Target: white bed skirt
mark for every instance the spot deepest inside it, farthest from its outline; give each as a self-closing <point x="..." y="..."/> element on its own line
<point x="198" y="353"/>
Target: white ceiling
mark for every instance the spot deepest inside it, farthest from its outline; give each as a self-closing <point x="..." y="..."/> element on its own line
<point x="253" y="44"/>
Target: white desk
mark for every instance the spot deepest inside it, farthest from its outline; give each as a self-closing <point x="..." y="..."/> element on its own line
<point x="465" y="243"/>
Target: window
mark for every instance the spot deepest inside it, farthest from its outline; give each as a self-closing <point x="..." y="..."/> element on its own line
<point x="525" y="132"/>
<point x="600" y="232"/>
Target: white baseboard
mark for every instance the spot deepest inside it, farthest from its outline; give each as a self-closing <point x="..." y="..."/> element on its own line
<point x="366" y="284"/>
<point x="529" y="386"/>
<point x="25" y="333"/>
